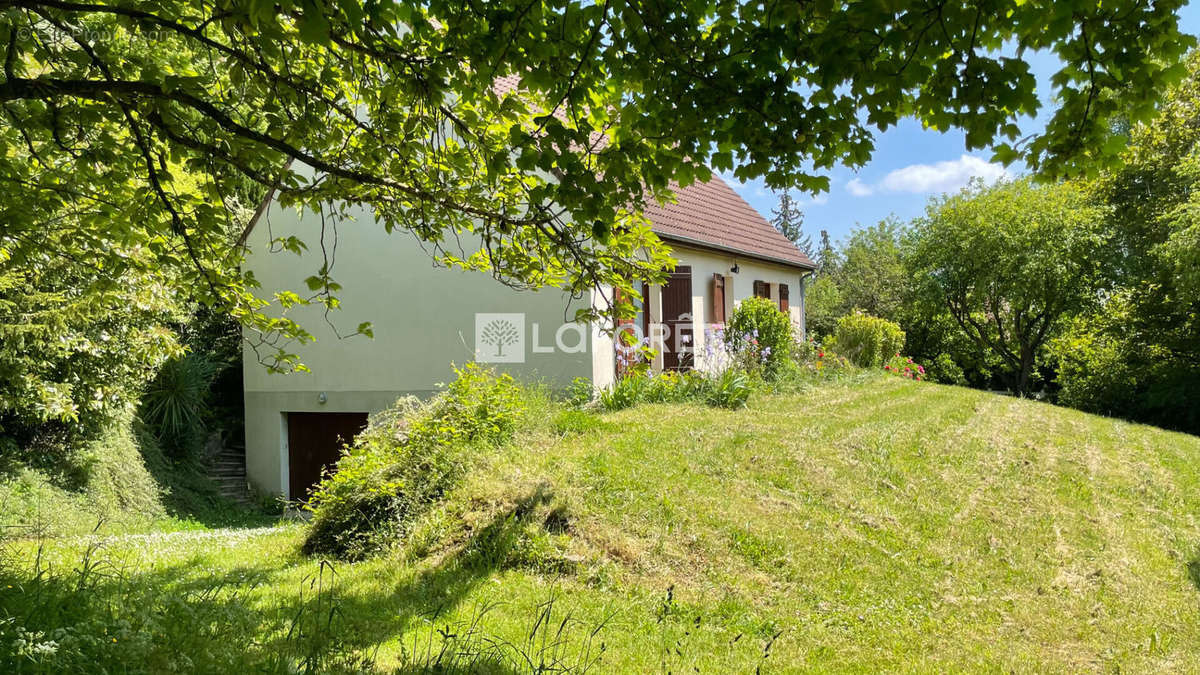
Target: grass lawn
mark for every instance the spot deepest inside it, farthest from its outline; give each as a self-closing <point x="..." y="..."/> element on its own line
<point x="871" y="524"/>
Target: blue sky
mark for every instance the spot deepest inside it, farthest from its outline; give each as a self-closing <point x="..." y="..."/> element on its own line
<point x="910" y="165"/>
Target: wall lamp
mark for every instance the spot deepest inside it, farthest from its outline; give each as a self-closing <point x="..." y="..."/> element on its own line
<point x="735" y="269"/>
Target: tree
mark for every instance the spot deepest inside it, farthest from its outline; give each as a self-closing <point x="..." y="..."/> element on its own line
<point x="822" y="305"/>
<point x="872" y="276"/>
<point x="789" y="220"/>
<point x="1010" y="263"/>
<point x="828" y="261"/>
<point x="1137" y="354"/>
<point x="531" y="132"/>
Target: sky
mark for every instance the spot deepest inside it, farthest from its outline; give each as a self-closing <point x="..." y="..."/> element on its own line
<point x="910" y="165"/>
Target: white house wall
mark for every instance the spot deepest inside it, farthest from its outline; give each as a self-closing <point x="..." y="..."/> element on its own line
<point x="423" y="319"/>
<point x="705" y="263"/>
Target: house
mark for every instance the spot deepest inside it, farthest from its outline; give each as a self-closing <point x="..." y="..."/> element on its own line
<point x="426" y="317"/>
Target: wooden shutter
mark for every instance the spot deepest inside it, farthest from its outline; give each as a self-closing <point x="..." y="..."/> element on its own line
<point x="677" y="315"/>
<point x="718" y="298"/>
<point x="783" y="298"/>
<point x="761" y="289"/>
<point x="645" y="309"/>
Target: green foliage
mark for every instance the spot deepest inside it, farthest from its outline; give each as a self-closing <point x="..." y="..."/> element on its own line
<point x="1135" y="354"/>
<point x="407" y="458"/>
<point x="868" y="341"/>
<point x="1102" y="368"/>
<point x="871" y="277"/>
<point x="581" y="392"/>
<point x="728" y="388"/>
<point x="1009" y="263"/>
<point x="569" y="422"/>
<point x="176" y="403"/>
<point x="762" y="334"/>
<point x="76" y="344"/>
<point x="103" y="481"/>
<point x="163" y="136"/>
<point x="944" y="369"/>
<point x="822" y="305"/>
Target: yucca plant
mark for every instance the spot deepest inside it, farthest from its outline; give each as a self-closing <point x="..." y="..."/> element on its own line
<point x="175" y="403"/>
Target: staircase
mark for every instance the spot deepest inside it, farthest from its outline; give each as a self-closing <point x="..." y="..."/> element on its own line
<point x="228" y="469"/>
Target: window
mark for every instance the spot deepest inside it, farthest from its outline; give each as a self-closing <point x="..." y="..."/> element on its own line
<point x="783" y="298"/>
<point x="762" y="289"/>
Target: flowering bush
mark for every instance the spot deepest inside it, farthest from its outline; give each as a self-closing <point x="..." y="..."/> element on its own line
<point x="903" y="366"/>
<point x="759" y="336"/>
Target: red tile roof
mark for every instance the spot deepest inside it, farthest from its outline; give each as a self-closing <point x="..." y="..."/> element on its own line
<point x="709" y="214"/>
<point x="712" y="214"/>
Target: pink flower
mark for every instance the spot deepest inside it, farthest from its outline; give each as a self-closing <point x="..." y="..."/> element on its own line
<point x="921" y="369"/>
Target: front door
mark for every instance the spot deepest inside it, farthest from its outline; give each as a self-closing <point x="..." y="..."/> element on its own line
<point x="315" y="442"/>
<point x="677" y="316"/>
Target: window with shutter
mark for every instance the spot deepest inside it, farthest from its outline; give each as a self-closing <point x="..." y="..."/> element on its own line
<point x="762" y="290"/>
<point x="783" y="297"/>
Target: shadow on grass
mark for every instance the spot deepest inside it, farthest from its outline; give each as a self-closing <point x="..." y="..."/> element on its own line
<point x="172" y="617"/>
<point x="1193" y="569"/>
<point x="435" y="592"/>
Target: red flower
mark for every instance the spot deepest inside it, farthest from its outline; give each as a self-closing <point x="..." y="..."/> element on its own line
<point x="820" y="355"/>
<point x="887" y="367"/>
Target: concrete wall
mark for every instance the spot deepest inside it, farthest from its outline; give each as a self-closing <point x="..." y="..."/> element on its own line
<point x="423" y="319"/>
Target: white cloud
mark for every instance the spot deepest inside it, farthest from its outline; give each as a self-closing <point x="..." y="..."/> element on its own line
<point x="858" y="188"/>
<point x="942" y="176"/>
<point x="945" y="176"/>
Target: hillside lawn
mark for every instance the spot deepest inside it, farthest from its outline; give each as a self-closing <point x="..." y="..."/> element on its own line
<point x="869" y="524"/>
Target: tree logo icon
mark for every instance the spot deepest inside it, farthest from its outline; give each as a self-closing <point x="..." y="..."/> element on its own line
<point x="499" y="333"/>
<point x="500" y="338"/>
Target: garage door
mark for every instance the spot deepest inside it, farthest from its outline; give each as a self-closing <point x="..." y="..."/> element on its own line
<point x="315" y="441"/>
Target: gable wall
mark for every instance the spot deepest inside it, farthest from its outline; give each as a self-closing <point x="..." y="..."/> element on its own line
<point x="423" y="319"/>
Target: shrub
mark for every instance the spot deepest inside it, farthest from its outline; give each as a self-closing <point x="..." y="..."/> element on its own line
<point x="866" y="340"/>
<point x="407" y="458"/>
<point x="581" y="392"/>
<point x="946" y="370"/>
<point x="761" y="335"/>
<point x="727" y="388"/>
<point x="175" y="404"/>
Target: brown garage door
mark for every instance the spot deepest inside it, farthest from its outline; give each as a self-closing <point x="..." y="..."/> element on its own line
<point x="315" y="441"/>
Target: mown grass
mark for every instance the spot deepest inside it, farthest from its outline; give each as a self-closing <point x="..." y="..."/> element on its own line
<point x="860" y="525"/>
